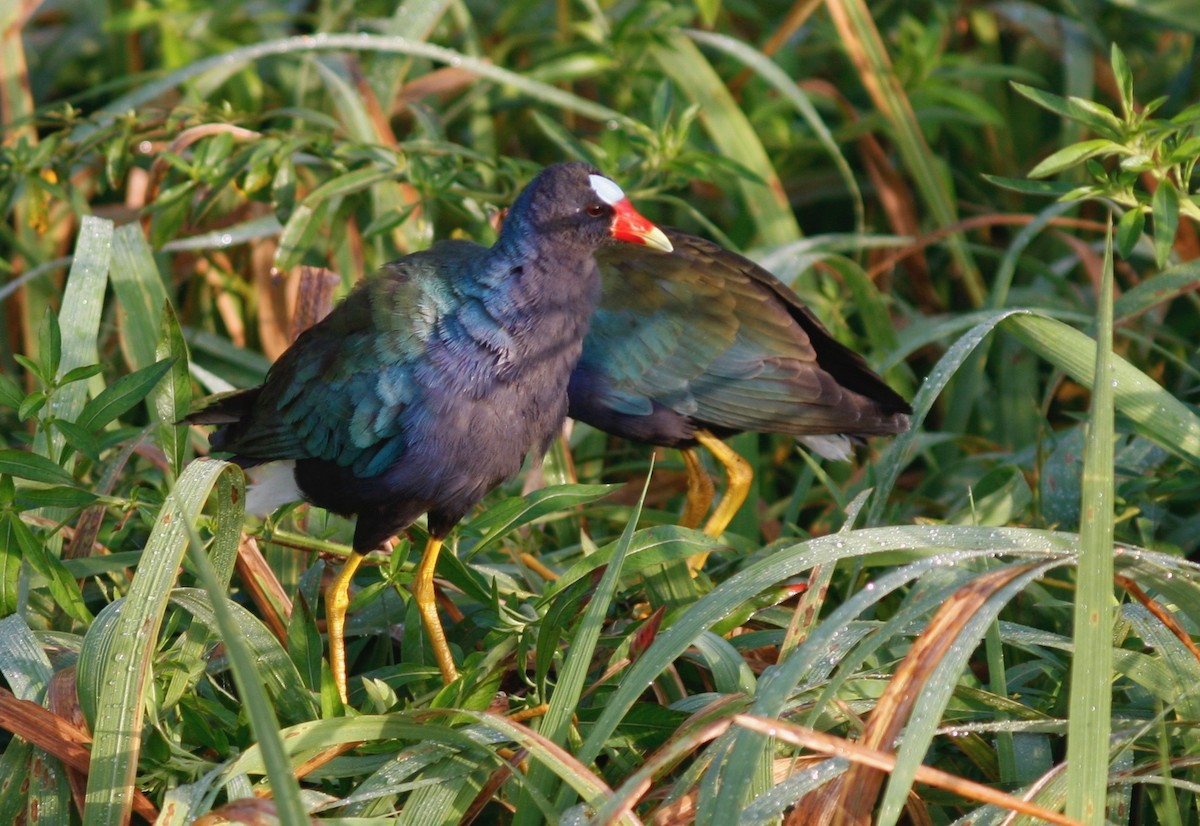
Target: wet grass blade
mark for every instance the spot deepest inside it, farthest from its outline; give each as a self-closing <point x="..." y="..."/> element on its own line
<point x="118" y="651"/>
<point x="1088" y="722"/>
<point x="79" y="319"/>
<point x="565" y="699"/>
<point x="140" y="296"/>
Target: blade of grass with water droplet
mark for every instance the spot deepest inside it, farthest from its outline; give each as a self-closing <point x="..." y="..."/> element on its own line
<point x="117" y="654"/>
<point x="140" y="296"/>
<point x="1089" y="720"/>
<point x="569" y="687"/>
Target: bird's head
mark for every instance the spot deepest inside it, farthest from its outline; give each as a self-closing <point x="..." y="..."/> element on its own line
<point x="574" y="203"/>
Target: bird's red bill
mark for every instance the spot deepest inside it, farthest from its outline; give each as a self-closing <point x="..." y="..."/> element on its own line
<point x="630" y="225"/>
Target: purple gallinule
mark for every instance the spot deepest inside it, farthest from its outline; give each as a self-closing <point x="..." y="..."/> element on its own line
<point x="693" y="345"/>
<point x="429" y="384"/>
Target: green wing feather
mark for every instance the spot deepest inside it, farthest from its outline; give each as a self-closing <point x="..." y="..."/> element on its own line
<point x="341" y="391"/>
<point x="713" y="336"/>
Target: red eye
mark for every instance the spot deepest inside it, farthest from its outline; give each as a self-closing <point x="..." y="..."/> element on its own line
<point x="595" y="210"/>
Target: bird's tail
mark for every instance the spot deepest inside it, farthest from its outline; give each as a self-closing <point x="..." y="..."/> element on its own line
<point x="224" y="409"/>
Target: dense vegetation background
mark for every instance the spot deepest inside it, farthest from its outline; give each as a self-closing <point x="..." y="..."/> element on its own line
<point x="908" y="637"/>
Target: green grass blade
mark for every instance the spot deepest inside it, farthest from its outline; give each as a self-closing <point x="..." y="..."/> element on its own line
<point x="927" y="713"/>
<point x="861" y="37"/>
<point x="79" y="319"/>
<point x="140" y="296"/>
<point x="23" y="663"/>
<point x="506" y="516"/>
<point x="263" y="721"/>
<point x="1157" y="290"/>
<point x="117" y="653"/>
<point x="238" y="58"/>
<point x="727" y="598"/>
<point x="565" y="699"/>
<point x="790" y="91"/>
<point x="30" y="779"/>
<point x="899" y="451"/>
<point x="764" y="200"/>
<point x="1088" y="722"/>
<point x="1154" y="412"/>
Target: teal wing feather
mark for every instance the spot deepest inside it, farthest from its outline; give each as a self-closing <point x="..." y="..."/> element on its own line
<point x="712" y="336"/>
<point x="344" y="390"/>
<point x="662" y="320"/>
<point x="697" y="332"/>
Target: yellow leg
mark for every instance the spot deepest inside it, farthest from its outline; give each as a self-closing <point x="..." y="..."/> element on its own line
<point x="427" y="606"/>
<point x="700" y="491"/>
<point x="337" y="600"/>
<point x="534" y="564"/>
<point x="739" y="475"/>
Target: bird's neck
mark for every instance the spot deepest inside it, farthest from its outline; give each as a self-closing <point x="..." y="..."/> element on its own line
<point x="533" y="274"/>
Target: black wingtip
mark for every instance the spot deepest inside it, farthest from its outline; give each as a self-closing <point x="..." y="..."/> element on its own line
<point x="222" y="408"/>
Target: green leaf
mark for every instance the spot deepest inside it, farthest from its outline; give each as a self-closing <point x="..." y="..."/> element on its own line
<point x="708" y="11"/>
<point x="1124" y="79"/>
<point x="298" y="234"/>
<point x="121" y="395"/>
<point x="1074" y="154"/>
<point x="283" y="189"/>
<point x="349" y="183"/>
<point x="140" y="295"/>
<point x="171" y="398"/>
<point x="1046" y="100"/>
<point x="79" y="438"/>
<point x="1028" y="187"/>
<point x="1164" y="207"/>
<point x="58" y="496"/>
<point x="49" y="345"/>
<point x="1129" y="231"/>
<point x="63" y="587"/>
<point x="31" y="404"/>
<point x="10" y="393"/>
<point x="34" y="368"/>
<point x="81" y="373"/>
<point x="34" y="467"/>
<point x="1098" y="118"/>
<point x="1095" y="115"/>
<point x="10" y="566"/>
